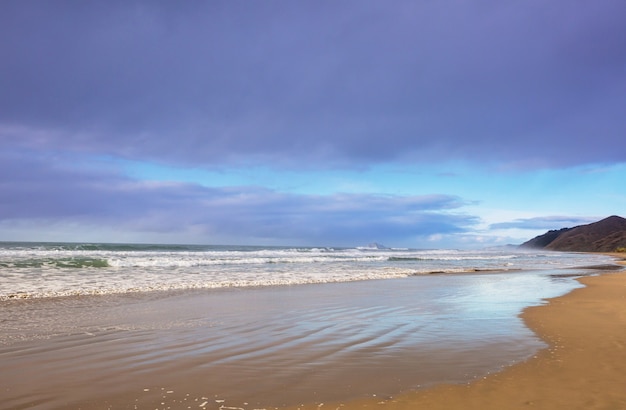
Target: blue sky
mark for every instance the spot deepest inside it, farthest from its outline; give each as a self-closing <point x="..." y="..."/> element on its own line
<point x="445" y="124"/>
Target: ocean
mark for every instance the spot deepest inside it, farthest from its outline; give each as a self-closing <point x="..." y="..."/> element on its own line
<point x="172" y="326"/>
<point x="35" y="270"/>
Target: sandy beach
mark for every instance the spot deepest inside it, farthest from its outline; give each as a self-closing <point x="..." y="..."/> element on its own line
<point x="584" y="367"/>
<point x="322" y="346"/>
<point x="264" y="347"/>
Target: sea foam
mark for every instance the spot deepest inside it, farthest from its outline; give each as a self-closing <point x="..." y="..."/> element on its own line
<point x="48" y="270"/>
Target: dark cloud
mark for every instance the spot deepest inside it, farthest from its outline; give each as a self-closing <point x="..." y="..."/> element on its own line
<point x="52" y="192"/>
<point x="317" y="84"/>
<point x="546" y="222"/>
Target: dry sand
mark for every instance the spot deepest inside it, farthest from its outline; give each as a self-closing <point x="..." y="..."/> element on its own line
<point x="584" y="367"/>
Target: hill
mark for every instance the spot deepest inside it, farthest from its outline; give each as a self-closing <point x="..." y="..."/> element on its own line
<point x="607" y="235"/>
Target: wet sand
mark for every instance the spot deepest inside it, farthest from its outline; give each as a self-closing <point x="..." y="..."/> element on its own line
<point x="220" y="350"/>
<point x="263" y="347"/>
<point x="583" y="368"/>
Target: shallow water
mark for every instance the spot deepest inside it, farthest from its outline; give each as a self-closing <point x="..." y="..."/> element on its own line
<point x="268" y="346"/>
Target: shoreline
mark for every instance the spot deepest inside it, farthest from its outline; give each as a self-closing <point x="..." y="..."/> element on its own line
<point x="210" y="347"/>
<point x="583" y="367"/>
<point x="267" y="348"/>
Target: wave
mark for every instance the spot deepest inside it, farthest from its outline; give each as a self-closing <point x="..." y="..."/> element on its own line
<point x="112" y="247"/>
<point x="406" y="259"/>
<point x="56" y="263"/>
<point x="58" y="269"/>
<point x="122" y="259"/>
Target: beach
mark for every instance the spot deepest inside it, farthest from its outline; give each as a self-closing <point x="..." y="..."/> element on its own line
<point x="264" y="347"/>
<point x="583" y="368"/>
<point x="426" y="341"/>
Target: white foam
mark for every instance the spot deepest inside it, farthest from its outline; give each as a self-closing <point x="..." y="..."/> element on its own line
<point x="36" y="272"/>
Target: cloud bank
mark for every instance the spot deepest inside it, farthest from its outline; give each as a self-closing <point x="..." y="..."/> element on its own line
<point x="35" y="191"/>
<point x="546" y="222"/>
<point x="317" y="84"/>
<point x="308" y="86"/>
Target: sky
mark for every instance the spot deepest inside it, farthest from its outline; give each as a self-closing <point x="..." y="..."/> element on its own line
<point x="422" y="124"/>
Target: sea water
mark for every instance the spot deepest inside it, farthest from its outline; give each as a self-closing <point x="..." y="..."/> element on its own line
<point x="263" y="325"/>
<point x="35" y="270"/>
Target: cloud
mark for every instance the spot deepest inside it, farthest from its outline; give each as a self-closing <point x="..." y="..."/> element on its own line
<point x="317" y="84"/>
<point x="51" y="193"/>
<point x="545" y="222"/>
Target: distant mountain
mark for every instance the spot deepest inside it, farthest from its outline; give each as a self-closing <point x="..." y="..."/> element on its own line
<point x="607" y="235"/>
<point x="544" y="240"/>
